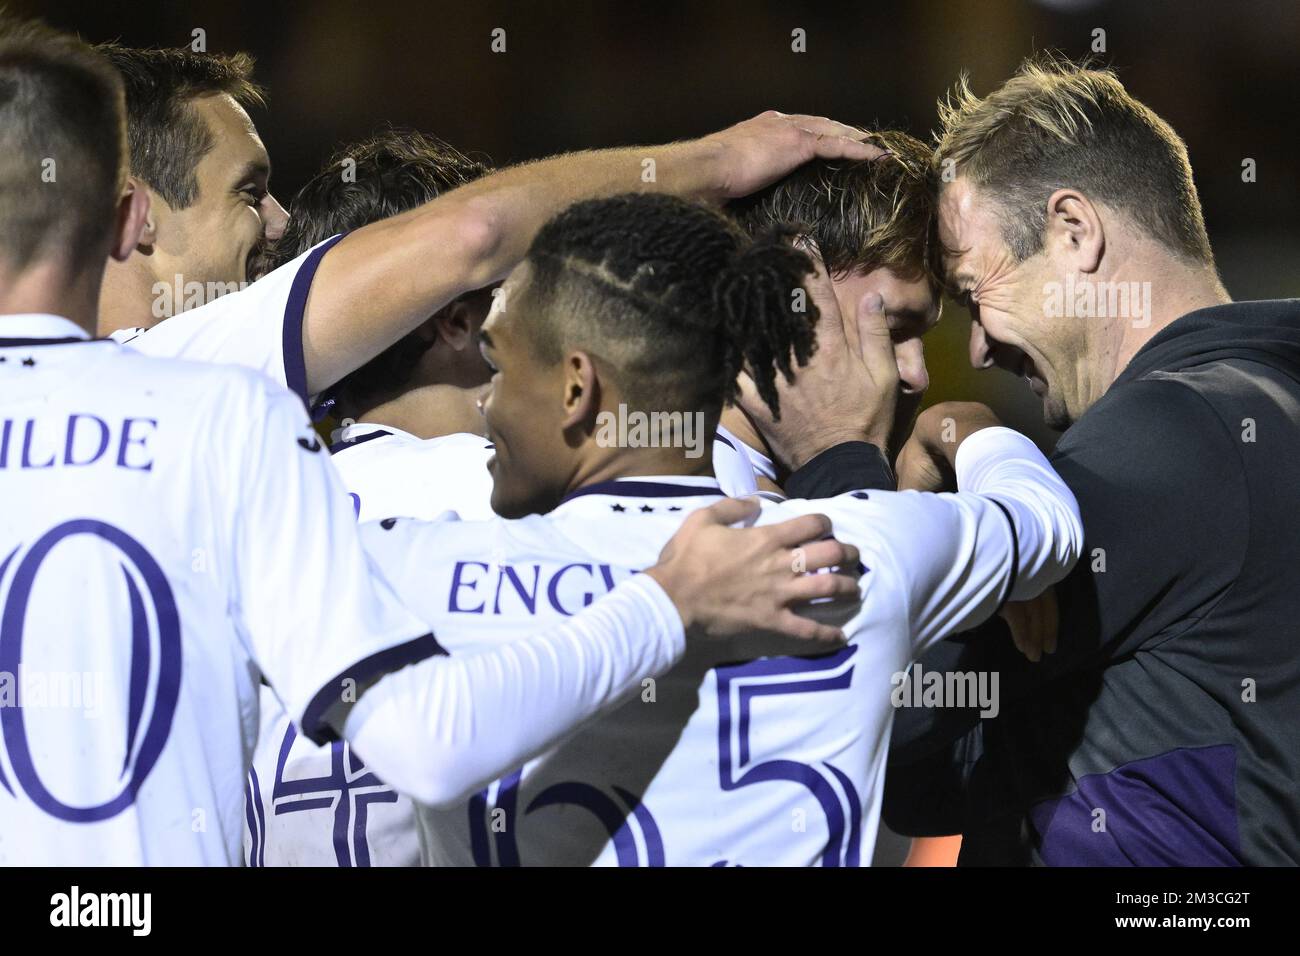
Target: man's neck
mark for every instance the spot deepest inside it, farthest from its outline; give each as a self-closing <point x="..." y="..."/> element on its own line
<point x="430" y="411"/>
<point x="617" y="463"/>
<point x="48" y="288"/>
<point x="627" y="445"/>
<point x="126" y="297"/>
<point x="1166" y="290"/>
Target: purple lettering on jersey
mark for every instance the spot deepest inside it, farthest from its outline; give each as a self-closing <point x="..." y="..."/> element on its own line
<point x="166" y="694"/>
<point x="127" y="440"/>
<point x="70" y="443"/>
<point x="27" y="447"/>
<point x="509" y="579"/>
<point x="255" y="815"/>
<point x="607" y="575"/>
<point x="844" y="832"/>
<point x="529" y="598"/>
<point x="349" y="790"/>
<point x="453" y="605"/>
<point x="553" y="589"/>
<point x="77" y="440"/>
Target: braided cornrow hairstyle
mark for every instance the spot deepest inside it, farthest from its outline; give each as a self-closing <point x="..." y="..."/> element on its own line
<point x="686" y="299"/>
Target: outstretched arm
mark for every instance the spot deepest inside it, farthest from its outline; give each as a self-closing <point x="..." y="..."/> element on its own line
<point x="384" y="279"/>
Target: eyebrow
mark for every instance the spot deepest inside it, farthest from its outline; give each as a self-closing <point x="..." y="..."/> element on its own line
<point x="253" y="171"/>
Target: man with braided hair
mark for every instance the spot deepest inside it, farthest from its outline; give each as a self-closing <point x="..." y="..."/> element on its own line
<point x="626" y="317"/>
<point x="410" y="445"/>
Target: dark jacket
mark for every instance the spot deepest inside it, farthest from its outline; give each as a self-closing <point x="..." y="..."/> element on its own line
<point x="1166" y="728"/>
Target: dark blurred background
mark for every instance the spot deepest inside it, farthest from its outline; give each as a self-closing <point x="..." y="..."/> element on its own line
<point x="616" y="72"/>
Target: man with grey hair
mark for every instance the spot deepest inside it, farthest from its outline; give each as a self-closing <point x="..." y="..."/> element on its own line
<point x="1162" y="730"/>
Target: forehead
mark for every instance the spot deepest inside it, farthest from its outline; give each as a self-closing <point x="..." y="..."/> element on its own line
<point x="968" y="228"/>
<point x="235" y="142"/>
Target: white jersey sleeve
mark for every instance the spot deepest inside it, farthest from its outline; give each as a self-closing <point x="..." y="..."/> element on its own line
<point x="291" y="536"/>
<point x="946" y="562"/>
<point x="440" y="730"/>
<point x="258" y="327"/>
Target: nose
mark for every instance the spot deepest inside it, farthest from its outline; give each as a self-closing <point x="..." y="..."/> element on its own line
<point x="274" y="218"/>
<point x="981" y="353"/>
<point x="912" y="374"/>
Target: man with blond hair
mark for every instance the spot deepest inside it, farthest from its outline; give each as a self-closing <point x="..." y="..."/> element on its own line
<point x="1162" y="730"/>
<point x="869" y="223"/>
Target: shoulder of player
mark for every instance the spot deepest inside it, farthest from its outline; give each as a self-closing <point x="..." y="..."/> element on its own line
<point x="213" y="380"/>
<point x="863" y="518"/>
<point x="418" y="543"/>
<point x="848" y="504"/>
<point x="434" y="459"/>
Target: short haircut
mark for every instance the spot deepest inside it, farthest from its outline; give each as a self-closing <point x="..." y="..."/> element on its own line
<point x="364" y="182"/>
<point x="62" y="147"/>
<point x="673" y="297"/>
<point x="1057" y="124"/>
<point x="863" y="215"/>
<point x="166" y="136"/>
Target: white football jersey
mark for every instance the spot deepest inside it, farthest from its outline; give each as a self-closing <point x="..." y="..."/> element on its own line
<point x="742" y="754"/>
<point x="160" y="520"/>
<point x="320" y="806"/>
<point x="310" y="805"/>
<point x="258" y="327"/>
<point x="391" y="473"/>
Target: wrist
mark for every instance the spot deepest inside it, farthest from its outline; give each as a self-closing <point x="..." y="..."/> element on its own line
<point x="813" y="444"/>
<point x="662" y="575"/>
<point x="704" y="167"/>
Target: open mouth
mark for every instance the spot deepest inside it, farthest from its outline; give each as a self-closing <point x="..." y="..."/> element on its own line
<point x="1029" y="372"/>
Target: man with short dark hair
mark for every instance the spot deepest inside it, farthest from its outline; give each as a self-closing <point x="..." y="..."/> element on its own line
<point x="196" y="153"/>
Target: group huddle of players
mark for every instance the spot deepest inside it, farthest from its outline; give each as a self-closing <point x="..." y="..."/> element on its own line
<point x="433" y="641"/>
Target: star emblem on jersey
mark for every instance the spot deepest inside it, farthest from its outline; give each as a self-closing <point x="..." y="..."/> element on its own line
<point x="311" y="443"/>
<point x="618" y="507"/>
<point x="29" y="361"/>
<point x="646" y="509"/>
